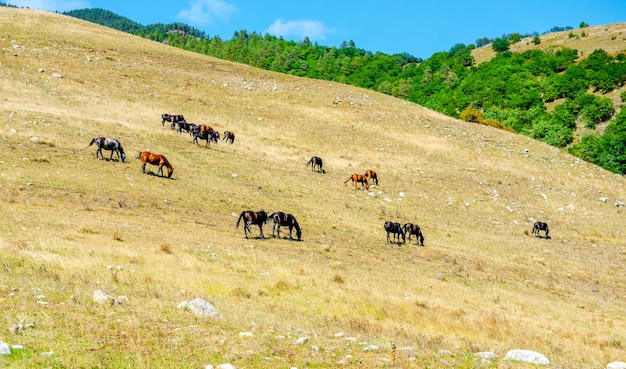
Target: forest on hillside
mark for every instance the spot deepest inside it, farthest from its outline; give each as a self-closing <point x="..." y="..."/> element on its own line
<point x="512" y="91"/>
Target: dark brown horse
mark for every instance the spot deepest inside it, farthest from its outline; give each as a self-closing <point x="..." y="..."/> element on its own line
<point x="229" y="137"/>
<point x="285" y="220"/>
<point x="252" y="217"/>
<point x="414" y="229"/>
<point x="316" y="162"/>
<point x="396" y="230"/>
<point x="371" y="176"/>
<point x="359" y="178"/>
<point x="108" y="144"/>
<point x="541" y="226"/>
<point x="155" y="159"/>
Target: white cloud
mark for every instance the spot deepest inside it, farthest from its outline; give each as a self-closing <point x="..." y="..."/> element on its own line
<point x="51" y="5"/>
<point x="299" y="28"/>
<point x="205" y="11"/>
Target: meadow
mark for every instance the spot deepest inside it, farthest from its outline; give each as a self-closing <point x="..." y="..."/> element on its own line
<point x="72" y="224"/>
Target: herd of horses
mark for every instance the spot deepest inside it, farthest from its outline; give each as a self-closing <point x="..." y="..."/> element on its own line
<point x="280" y="219"/>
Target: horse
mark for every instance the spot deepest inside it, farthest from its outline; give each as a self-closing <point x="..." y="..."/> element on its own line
<point x="184" y="126"/>
<point x="372" y="176"/>
<point x="396" y="230"/>
<point x="251" y="217"/>
<point x="541" y="226"/>
<point x="229" y="137"/>
<point x="414" y="229"/>
<point x="316" y="161"/>
<point x="285" y="220"/>
<point x="205" y="135"/>
<point x="155" y="159"/>
<point x="358" y="178"/>
<point x="172" y="119"/>
<point x="108" y="144"/>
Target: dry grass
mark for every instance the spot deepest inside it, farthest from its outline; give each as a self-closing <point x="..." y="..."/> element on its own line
<point x="71" y="224"/>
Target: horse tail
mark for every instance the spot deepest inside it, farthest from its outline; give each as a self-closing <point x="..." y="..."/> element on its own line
<point x="93" y="140"/>
<point x="347" y="180"/>
<point x="240" y="218"/>
<point x="310" y="162"/>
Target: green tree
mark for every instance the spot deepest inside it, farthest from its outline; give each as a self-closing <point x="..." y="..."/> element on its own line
<point x="536" y="40"/>
<point x="500" y="45"/>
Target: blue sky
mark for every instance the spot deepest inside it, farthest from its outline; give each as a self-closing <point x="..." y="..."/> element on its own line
<point x="418" y="27"/>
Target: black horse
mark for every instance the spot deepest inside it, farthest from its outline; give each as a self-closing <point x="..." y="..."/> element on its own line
<point x="173" y="119"/>
<point x="209" y="136"/>
<point x="108" y="144"/>
<point x="541" y="226"/>
<point x="285" y="220"/>
<point x="252" y="217"/>
<point x="414" y="229"/>
<point x="316" y="162"/>
<point x="396" y="230"/>
<point x="184" y="126"/>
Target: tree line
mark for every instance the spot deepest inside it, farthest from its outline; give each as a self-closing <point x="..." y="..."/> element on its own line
<point x="541" y="94"/>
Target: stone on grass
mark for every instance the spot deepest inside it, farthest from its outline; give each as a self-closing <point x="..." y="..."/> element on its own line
<point x="527" y="356"/>
<point x="200" y="307"/>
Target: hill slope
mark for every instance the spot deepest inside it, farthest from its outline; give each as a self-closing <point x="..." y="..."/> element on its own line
<point x="72" y="225"/>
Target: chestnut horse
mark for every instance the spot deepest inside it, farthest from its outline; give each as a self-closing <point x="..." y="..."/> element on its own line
<point x="251" y="217"/>
<point x="155" y="159"/>
<point x="108" y="144"/>
<point x="285" y="220"/>
<point x="414" y="229"/>
<point x="372" y="176"/>
<point x="358" y="178"/>
<point x="229" y="137"/>
<point x="316" y="161"/>
<point x="396" y="230"/>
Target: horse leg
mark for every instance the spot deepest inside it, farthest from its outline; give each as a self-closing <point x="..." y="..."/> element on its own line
<point x="160" y="170"/>
<point x="143" y="168"/>
<point x="261" y="230"/>
<point x="246" y="228"/>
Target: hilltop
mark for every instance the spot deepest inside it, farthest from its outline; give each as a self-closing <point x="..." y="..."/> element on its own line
<point x="73" y="225"/>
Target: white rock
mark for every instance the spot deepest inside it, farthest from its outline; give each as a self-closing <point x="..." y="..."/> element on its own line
<point x="527" y="356"/>
<point x="301" y="340"/>
<point x="200" y="307"/>
<point x="102" y="297"/>
<point x="4" y="348"/>
<point x="370" y="348"/>
<point x="226" y="366"/>
<point x="487" y="355"/>
<point x="616" y="365"/>
<point x="245" y="334"/>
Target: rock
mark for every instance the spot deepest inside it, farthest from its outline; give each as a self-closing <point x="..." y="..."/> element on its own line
<point x="487" y="355"/>
<point x="616" y="365"/>
<point x="102" y="297"/>
<point x="4" y="348"/>
<point x="200" y="307"/>
<point x="301" y="340"/>
<point x="527" y="356"/>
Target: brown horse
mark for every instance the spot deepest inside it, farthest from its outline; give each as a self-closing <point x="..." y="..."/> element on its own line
<point x="358" y="178"/>
<point x="371" y="176"/>
<point x="229" y="137"/>
<point x="155" y="159"/>
<point x="252" y="217"/>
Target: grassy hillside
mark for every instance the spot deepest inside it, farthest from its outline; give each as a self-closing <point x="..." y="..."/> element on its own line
<point x="72" y="224"/>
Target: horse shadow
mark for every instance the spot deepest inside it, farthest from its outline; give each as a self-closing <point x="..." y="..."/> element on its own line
<point x="153" y="174"/>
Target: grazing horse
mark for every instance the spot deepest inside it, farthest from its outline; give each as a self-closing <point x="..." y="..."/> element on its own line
<point x="229" y="137"/>
<point x="108" y="144"/>
<point x="252" y="217"/>
<point x="414" y="229"/>
<point x="316" y="162"/>
<point x="358" y="178"/>
<point x="396" y="230"/>
<point x="285" y="220"/>
<point x="205" y="135"/>
<point x="184" y="126"/>
<point x="155" y="159"/>
<point x="541" y="226"/>
<point x="372" y="176"/>
<point x="173" y="119"/>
